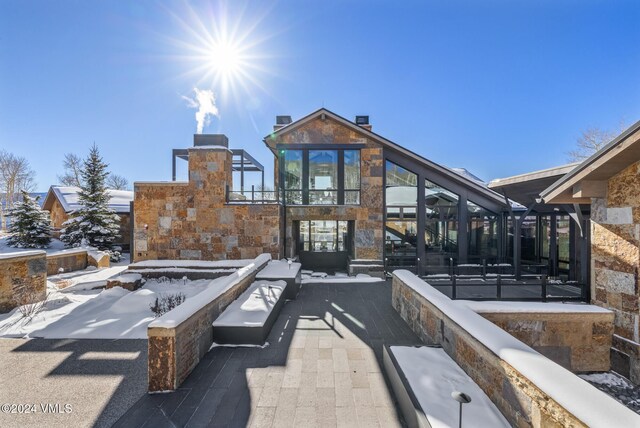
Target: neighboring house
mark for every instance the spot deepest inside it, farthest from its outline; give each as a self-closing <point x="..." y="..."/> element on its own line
<point x="610" y="181"/>
<point x="61" y="201"/>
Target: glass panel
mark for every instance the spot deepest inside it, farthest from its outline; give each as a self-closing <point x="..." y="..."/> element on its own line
<point x="323" y="197"/>
<point x="441" y="225"/>
<point x="342" y="235"/>
<point x="352" y="197"/>
<point x="563" y="222"/>
<point x="294" y="196"/>
<point x="401" y="186"/>
<point x="528" y="251"/>
<point x="545" y="222"/>
<point x="293" y="169"/>
<point x="401" y="238"/>
<point x="483" y="233"/>
<point x="351" y="170"/>
<point x="323" y="235"/>
<point x="323" y="169"/>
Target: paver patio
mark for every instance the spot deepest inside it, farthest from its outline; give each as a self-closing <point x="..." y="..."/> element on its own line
<point x="322" y="368"/>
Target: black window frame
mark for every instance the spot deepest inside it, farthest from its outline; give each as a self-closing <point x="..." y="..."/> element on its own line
<point x="305" y="174"/>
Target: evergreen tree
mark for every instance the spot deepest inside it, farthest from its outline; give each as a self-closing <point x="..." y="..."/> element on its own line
<point x="30" y="225"/>
<point x="94" y="223"/>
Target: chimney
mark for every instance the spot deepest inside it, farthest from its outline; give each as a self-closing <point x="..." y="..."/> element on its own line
<point x="363" y="121"/>
<point x="281" y="121"/>
<point x="210" y="140"/>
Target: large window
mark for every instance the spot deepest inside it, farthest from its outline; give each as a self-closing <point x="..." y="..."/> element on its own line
<point x="352" y="177"/>
<point x="323" y="235"/>
<point x="441" y="224"/>
<point x="293" y="176"/>
<point x="321" y="177"/>
<point x="483" y="233"/>
<point x="401" y="229"/>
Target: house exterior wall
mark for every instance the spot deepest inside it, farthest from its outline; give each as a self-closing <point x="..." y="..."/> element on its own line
<point x="57" y="214"/>
<point x="368" y="216"/>
<point x="193" y="221"/>
<point x="615" y="262"/>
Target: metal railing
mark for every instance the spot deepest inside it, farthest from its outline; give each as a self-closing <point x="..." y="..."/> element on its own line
<point x="506" y="287"/>
<point x="253" y="196"/>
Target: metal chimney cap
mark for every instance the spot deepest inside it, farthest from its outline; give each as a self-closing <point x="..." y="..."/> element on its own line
<point x="362" y="120"/>
<point x="210" y="140"/>
<point x="283" y="120"/>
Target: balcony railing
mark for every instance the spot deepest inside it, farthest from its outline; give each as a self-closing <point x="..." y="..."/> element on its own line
<point x="253" y="196"/>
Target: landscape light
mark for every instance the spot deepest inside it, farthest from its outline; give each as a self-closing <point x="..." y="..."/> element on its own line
<point x="461" y="398"/>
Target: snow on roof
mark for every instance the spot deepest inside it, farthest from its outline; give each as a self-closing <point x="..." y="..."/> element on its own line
<point x="465" y="173"/>
<point x="68" y="197"/>
<point x="589" y="405"/>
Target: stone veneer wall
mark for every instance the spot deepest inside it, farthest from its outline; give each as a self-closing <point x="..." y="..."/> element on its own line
<point x="193" y="221"/>
<point x="615" y="264"/>
<point x="70" y="260"/>
<point x="578" y="341"/>
<point x="368" y="216"/>
<point x="519" y="400"/>
<point x="20" y="273"/>
<point x="175" y="350"/>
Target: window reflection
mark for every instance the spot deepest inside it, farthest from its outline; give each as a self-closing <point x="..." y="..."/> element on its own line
<point x="483" y="233"/>
<point x="441" y="224"/>
<point x="323" y="235"/>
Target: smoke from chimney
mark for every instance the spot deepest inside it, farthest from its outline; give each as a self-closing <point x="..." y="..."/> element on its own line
<point x="205" y="102"/>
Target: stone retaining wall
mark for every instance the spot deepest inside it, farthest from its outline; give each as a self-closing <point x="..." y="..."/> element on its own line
<point x="69" y="261"/>
<point x="579" y="342"/>
<point x="23" y="275"/>
<point x="177" y="341"/>
<point x="522" y="400"/>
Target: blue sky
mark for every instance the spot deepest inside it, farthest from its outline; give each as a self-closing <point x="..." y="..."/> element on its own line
<point x="498" y="87"/>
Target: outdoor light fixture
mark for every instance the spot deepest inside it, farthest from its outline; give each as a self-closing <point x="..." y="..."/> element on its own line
<point x="538" y="200"/>
<point x="461" y="398"/>
<point x="290" y="263"/>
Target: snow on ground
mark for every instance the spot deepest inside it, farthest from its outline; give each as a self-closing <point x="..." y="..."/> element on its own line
<point x="433" y="376"/>
<point x="56" y="245"/>
<point x="85" y="313"/>
<point x="338" y="278"/>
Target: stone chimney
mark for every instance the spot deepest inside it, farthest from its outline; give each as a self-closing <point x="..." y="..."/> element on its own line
<point x="210" y="140"/>
<point x="363" y="121"/>
<point x="281" y="121"/>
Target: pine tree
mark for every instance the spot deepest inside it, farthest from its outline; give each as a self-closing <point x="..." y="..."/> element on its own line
<point x="30" y="225"/>
<point x="94" y="223"/>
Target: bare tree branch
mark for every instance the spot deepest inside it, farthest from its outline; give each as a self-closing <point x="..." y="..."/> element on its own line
<point x="15" y="175"/>
<point x="591" y="140"/>
<point x="72" y="170"/>
<point x="117" y="182"/>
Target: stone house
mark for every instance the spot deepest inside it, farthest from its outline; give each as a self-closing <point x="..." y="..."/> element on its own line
<point x="61" y="201"/>
<point x="346" y="198"/>
<point x="609" y="181"/>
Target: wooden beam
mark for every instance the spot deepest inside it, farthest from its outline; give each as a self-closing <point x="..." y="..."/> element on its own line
<point x="590" y="189"/>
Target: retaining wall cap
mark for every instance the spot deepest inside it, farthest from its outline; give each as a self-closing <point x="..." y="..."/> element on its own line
<point x="19" y="254"/>
<point x="588" y="404"/>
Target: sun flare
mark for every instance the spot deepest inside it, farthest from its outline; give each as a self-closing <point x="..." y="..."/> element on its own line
<point x="223" y="51"/>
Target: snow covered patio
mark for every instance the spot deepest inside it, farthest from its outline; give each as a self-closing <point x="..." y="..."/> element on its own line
<point x="323" y="367"/>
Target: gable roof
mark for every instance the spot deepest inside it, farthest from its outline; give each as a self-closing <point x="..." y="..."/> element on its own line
<point x="68" y="197"/>
<point x="525" y="188"/>
<point x="617" y="155"/>
<point x="466" y="180"/>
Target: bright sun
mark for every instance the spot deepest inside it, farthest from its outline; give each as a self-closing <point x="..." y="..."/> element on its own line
<point x="223" y="53"/>
<point x="225" y="59"/>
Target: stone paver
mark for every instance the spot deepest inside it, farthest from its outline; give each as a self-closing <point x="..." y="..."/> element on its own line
<point x="322" y="368"/>
<point x="98" y="379"/>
